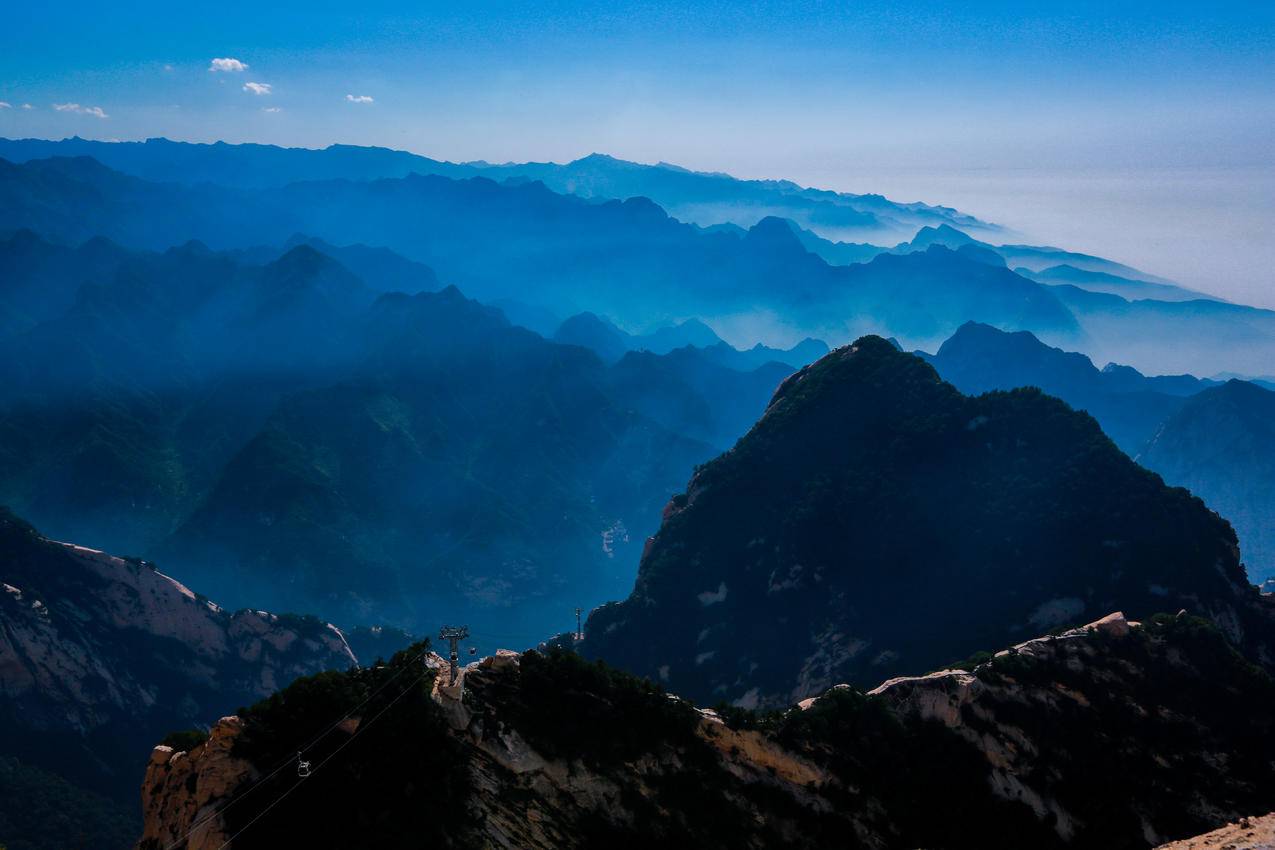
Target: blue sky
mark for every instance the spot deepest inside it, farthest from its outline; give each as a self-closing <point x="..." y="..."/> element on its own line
<point x="858" y="96"/>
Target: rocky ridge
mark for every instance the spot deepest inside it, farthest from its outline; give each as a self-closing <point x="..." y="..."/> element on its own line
<point x="1244" y="834"/>
<point x="1032" y="747"/>
<point x="99" y="655"/>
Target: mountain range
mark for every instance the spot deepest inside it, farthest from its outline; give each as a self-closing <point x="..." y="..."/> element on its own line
<point x="698" y="197"/>
<point x="394" y="393"/>
<point x="875" y="522"/>
<point x="269" y="423"/>
<point x="522" y="242"/>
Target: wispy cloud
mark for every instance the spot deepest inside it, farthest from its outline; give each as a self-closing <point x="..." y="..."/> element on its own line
<point x="359" y="98"/>
<point x="271" y="109"/>
<point x="257" y="88"/>
<point x="228" y="65"/>
<point x="5" y="105"/>
<point x="95" y="111"/>
<point x="27" y="106"/>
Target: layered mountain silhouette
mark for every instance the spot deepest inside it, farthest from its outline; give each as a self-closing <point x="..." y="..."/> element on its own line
<point x="525" y="244"/>
<point x="459" y="464"/>
<point x="1126" y="288"/>
<point x="876" y="521"/>
<point x="272" y="430"/>
<point x="610" y="343"/>
<point x="698" y="197"/>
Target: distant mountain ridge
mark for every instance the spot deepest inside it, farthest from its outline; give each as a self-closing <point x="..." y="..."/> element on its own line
<point x="702" y="198"/>
<point x="610" y="343"/>
<point x="527" y="244"/>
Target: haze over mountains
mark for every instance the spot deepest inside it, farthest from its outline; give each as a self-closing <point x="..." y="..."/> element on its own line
<point x="687" y="195"/>
<point x="521" y="241"/>
<point x="395" y="392"/>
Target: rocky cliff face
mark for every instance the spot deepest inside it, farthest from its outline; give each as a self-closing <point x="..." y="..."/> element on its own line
<point x="1116" y="735"/>
<point x="183" y="791"/>
<point x="876" y="521"/>
<point x="100" y="655"/>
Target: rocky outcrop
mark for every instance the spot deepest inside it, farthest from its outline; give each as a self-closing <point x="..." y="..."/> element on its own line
<point x="102" y="655"/>
<point x="1244" y="834"/>
<point x="1116" y="735"/>
<point x="1045" y="712"/>
<point x="183" y="792"/>
<point x="51" y="655"/>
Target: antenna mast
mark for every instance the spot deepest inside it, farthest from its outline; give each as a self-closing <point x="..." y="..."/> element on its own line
<point x="453" y="635"/>
<point x="579" y="631"/>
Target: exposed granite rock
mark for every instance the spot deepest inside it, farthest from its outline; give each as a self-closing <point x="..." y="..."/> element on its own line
<point x="1114" y="735"/>
<point x="1244" y="834"/>
<point x="184" y="792"/>
<point x="106" y="654"/>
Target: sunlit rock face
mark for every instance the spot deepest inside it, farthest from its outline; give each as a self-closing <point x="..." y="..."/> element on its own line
<point x="101" y="655"/>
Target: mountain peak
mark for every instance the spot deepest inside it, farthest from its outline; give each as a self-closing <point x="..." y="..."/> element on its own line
<point x="775" y="233"/>
<point x="869" y="490"/>
<point x="825" y="377"/>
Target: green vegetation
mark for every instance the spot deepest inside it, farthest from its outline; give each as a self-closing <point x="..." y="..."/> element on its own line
<point x="875" y="502"/>
<point x="922" y="775"/>
<point x="570" y="708"/>
<point x="400" y="782"/>
<point x="1182" y="714"/>
<point x="185" y="740"/>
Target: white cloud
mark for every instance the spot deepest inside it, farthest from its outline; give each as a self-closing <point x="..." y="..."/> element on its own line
<point x="168" y="67"/>
<point x="359" y="98"/>
<point x="228" y="65"/>
<point x="257" y="88"/>
<point x="27" y="106"/>
<point x="271" y="109"/>
<point x="95" y="111"/>
<point x="5" y="105"/>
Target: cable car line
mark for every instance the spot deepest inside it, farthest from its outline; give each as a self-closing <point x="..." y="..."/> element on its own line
<point x="289" y="761"/>
<point x="332" y="755"/>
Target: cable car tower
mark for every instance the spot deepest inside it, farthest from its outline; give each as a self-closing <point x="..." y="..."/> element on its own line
<point x="453" y="635"/>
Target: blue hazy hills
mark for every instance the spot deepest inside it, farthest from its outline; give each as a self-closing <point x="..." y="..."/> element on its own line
<point x="706" y="198"/>
<point x="523" y="242"/>
<point x="392" y="391"/>
<point x="270" y="421"/>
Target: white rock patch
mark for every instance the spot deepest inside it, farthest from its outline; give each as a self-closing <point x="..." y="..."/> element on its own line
<point x="710" y="597"/>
